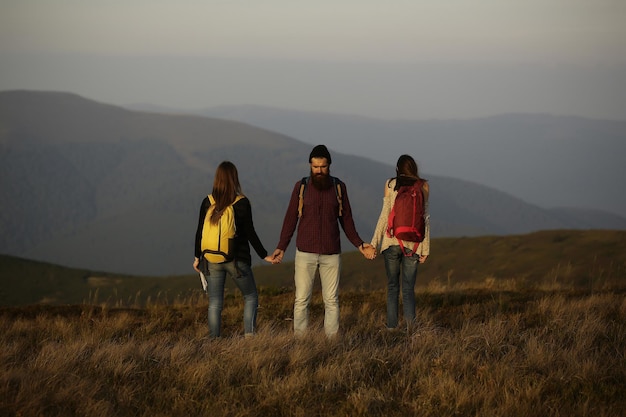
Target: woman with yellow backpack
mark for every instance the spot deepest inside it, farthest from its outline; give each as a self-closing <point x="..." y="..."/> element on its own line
<point x="225" y="229"/>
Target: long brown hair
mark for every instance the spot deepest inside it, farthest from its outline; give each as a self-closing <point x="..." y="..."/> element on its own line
<point x="406" y="171"/>
<point x="225" y="188"/>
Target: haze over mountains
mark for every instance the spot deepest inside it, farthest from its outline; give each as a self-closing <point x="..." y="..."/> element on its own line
<point x="90" y="185"/>
<point x="542" y="159"/>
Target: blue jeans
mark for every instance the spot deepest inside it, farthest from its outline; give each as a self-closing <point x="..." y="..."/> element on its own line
<point x="306" y="264"/>
<point x="216" y="278"/>
<point x="397" y="265"/>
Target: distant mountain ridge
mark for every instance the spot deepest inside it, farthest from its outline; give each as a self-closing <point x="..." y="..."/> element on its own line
<point x="89" y="185"/>
<point x="540" y="158"/>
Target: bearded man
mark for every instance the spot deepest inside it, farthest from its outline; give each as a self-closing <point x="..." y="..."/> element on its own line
<point x="317" y="211"/>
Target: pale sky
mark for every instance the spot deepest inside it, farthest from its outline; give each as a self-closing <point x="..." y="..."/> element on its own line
<point x="389" y="59"/>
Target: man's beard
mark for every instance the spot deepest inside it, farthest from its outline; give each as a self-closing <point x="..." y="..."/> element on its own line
<point x="321" y="181"/>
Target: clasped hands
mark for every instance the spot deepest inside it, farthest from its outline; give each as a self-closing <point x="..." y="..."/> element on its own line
<point x="276" y="257"/>
<point x="367" y="250"/>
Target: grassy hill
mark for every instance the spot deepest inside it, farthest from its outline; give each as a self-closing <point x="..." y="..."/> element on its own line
<point x="547" y="348"/>
<point x="588" y="260"/>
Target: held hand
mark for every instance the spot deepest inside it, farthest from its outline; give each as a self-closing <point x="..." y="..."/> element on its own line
<point x="270" y="259"/>
<point x="277" y="256"/>
<point x="368" y="251"/>
<point x="196" y="262"/>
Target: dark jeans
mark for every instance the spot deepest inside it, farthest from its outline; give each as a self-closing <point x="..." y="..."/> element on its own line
<point x="397" y="265"/>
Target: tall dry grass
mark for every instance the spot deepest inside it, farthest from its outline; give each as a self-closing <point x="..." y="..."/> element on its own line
<point x="475" y="352"/>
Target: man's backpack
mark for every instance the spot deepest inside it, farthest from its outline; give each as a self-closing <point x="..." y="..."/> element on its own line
<point x="336" y="186"/>
<point x="218" y="240"/>
<point x="406" y="220"/>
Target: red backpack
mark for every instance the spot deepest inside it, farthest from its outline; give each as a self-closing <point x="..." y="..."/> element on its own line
<point x="406" y="220"/>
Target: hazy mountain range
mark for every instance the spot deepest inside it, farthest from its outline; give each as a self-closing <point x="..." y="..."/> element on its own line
<point x="550" y="161"/>
<point x="90" y="185"/>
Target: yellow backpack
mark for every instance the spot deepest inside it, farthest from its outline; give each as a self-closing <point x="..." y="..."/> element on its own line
<point x="218" y="240"/>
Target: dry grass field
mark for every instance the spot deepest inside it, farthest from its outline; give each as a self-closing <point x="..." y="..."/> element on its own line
<point x="477" y="351"/>
<point x="516" y="326"/>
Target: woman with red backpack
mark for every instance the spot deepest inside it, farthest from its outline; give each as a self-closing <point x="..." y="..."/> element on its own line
<point x="402" y="235"/>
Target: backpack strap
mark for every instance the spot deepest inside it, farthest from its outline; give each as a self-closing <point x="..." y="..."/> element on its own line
<point x="404" y="250"/>
<point x="237" y="198"/>
<point x="301" y="196"/>
<point x="337" y="187"/>
<point x="338" y="193"/>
